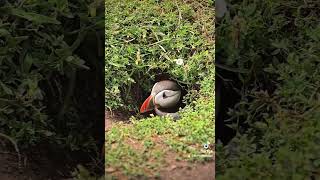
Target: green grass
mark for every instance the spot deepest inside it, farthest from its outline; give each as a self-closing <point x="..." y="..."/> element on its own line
<point x="143" y="145"/>
<point x="144" y="41"/>
<point x="145" y="38"/>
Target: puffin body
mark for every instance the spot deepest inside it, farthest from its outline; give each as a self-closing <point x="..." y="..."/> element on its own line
<point x="164" y="97"/>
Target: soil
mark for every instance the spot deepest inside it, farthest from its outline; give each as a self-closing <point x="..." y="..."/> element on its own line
<point x="186" y="170"/>
<point x="190" y="172"/>
<point x="116" y="116"/>
<point x="36" y="164"/>
<point x="177" y="170"/>
<point x="31" y="167"/>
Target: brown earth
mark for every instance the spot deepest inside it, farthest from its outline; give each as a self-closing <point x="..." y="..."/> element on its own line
<point x="30" y="168"/>
<point x="114" y="116"/>
<point x="38" y="163"/>
<point x="187" y="171"/>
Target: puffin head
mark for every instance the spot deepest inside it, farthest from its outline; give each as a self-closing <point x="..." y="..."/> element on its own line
<point x="164" y="94"/>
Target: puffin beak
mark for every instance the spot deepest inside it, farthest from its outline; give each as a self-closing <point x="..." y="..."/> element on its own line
<point x="147" y="105"/>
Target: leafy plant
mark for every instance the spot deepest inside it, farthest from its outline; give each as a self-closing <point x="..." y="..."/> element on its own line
<point x="40" y="65"/>
<point x="144" y="40"/>
<point x="151" y="39"/>
<point x="275" y="42"/>
<point x="81" y="173"/>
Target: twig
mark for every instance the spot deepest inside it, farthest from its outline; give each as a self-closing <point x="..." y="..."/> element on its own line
<point x="221" y="66"/>
<point x="21" y="3"/>
<point x="111" y="112"/>
<point x="127" y="41"/>
<point x="180" y="17"/>
<point x="162" y="48"/>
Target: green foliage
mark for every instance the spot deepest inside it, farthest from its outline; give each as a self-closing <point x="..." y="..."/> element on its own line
<point x="276" y="40"/>
<point x="138" y="148"/>
<point x="144" y="39"/>
<point x="81" y="173"/>
<point x="149" y="39"/>
<point x="38" y="68"/>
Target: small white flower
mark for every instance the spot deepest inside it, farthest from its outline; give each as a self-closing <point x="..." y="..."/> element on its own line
<point x="179" y="61"/>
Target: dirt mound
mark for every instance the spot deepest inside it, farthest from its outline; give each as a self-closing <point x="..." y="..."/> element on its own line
<point x="114" y="116"/>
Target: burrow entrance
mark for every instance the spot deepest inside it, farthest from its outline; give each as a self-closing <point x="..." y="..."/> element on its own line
<point x="139" y="91"/>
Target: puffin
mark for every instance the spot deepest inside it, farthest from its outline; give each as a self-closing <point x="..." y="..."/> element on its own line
<point x="164" y="99"/>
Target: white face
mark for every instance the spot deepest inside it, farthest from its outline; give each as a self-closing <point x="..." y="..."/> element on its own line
<point x="167" y="98"/>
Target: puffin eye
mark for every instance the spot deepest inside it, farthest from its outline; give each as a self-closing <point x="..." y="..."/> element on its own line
<point x="164" y="95"/>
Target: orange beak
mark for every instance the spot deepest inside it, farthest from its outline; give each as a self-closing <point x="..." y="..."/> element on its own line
<point x="147" y="105"/>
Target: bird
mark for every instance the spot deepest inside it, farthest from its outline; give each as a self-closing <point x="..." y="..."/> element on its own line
<point x="164" y="99"/>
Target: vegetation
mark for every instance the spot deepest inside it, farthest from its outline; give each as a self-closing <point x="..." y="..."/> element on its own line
<point x="277" y="44"/>
<point x="144" y="39"/>
<point x="43" y="57"/>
